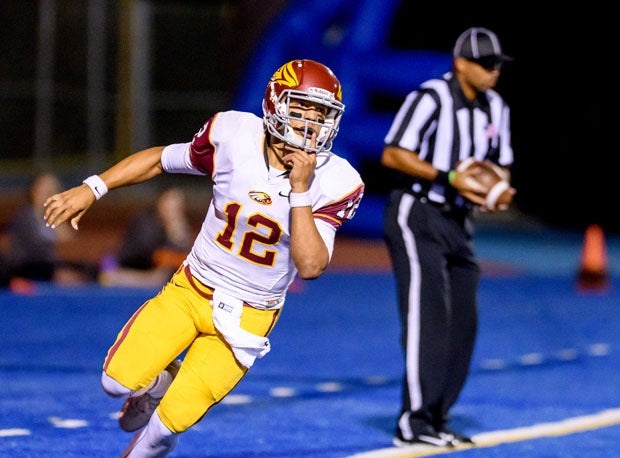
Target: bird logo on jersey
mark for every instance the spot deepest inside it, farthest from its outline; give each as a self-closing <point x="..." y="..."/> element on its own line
<point x="260" y="197"/>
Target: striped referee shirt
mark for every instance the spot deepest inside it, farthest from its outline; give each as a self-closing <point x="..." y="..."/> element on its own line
<point x="443" y="127"/>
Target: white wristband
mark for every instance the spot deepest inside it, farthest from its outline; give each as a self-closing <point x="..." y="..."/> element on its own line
<point x="96" y="185"/>
<point x="300" y="199"/>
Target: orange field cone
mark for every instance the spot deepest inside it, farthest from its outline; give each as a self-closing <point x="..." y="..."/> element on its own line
<point x="593" y="270"/>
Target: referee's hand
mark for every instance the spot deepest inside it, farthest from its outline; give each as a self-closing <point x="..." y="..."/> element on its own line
<point x="466" y="184"/>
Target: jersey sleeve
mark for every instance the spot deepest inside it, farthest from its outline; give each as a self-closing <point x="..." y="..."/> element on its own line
<point x="176" y="159"/>
<point x="413" y="120"/>
<point x="196" y="157"/>
<point x="203" y="148"/>
<point x="505" y="146"/>
<point x="342" y="190"/>
<point x="341" y="210"/>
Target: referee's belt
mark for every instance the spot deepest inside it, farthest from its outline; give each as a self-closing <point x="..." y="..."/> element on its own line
<point x="445" y="207"/>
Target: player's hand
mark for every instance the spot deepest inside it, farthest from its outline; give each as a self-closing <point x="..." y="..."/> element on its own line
<point x="302" y="164"/>
<point x="68" y="205"/>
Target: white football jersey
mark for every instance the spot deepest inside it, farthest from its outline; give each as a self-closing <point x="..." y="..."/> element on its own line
<point x="243" y="246"/>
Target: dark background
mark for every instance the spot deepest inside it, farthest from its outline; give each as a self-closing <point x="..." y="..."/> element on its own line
<point x="561" y="92"/>
<point x="561" y="86"/>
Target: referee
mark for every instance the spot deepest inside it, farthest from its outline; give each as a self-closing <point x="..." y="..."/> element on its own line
<point x="428" y="228"/>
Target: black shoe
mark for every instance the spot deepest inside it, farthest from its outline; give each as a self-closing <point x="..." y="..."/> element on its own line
<point x="455" y="438"/>
<point x="429" y="437"/>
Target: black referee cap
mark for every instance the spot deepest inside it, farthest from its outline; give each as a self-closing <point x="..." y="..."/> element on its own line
<point x="479" y="43"/>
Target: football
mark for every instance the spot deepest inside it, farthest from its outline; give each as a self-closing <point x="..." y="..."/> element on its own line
<point x="498" y="192"/>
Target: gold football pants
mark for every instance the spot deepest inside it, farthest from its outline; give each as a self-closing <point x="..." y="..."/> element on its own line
<point x="176" y="319"/>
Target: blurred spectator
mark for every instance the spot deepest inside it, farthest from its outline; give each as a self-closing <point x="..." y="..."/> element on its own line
<point x="32" y="249"/>
<point x="154" y="246"/>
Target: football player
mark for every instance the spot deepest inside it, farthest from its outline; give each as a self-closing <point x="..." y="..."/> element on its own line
<point x="279" y="196"/>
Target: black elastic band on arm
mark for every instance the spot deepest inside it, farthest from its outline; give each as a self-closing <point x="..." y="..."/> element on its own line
<point x="442" y="178"/>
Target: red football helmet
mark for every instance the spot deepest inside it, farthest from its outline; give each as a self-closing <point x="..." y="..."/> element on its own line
<point x="303" y="80"/>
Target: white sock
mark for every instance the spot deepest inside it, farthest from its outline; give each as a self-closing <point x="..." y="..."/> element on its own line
<point x="154" y="441"/>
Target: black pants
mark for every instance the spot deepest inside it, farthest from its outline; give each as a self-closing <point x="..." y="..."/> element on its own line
<point x="437" y="279"/>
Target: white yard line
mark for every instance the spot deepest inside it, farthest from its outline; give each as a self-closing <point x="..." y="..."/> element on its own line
<point x="489" y="439"/>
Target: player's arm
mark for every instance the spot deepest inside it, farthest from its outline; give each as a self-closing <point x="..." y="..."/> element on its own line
<point x="71" y="204"/>
<point x="308" y="249"/>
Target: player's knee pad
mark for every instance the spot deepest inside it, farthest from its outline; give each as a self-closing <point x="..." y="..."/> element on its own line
<point x="113" y="388"/>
